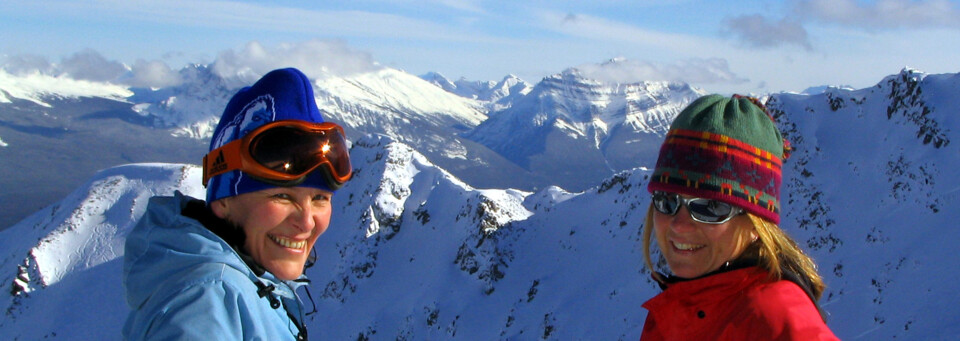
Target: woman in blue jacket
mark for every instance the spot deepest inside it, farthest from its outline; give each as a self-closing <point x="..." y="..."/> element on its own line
<point x="228" y="268"/>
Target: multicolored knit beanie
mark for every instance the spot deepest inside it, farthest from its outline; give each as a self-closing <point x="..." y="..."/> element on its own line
<point x="727" y="149"/>
<point x="284" y="94"/>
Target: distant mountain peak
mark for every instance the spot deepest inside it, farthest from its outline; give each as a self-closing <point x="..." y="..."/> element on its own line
<point x="495" y="95"/>
<point x="577" y="113"/>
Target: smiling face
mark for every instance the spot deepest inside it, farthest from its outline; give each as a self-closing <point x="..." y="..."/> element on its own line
<point x="281" y="225"/>
<point x="693" y="249"/>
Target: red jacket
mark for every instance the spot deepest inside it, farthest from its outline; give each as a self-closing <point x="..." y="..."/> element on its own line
<point x="741" y="304"/>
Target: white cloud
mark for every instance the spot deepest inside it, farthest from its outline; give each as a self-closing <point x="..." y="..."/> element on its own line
<point x="25" y="64"/>
<point x="881" y="14"/>
<point x="692" y="71"/>
<point x="153" y="74"/>
<point x="92" y="66"/>
<point x="757" y="31"/>
<point x="316" y="58"/>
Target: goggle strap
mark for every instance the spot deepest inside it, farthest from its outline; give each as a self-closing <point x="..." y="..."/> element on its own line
<point x="222" y="160"/>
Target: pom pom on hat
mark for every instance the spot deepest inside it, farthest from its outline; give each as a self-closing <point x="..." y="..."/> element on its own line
<point x="284" y="94"/>
<point x="727" y="149"/>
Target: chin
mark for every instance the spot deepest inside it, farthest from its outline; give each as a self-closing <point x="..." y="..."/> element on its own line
<point x="287" y="272"/>
<point x="687" y="273"/>
<point x="288" y="276"/>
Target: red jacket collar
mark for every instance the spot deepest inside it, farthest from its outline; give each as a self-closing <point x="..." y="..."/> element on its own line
<point x="706" y="288"/>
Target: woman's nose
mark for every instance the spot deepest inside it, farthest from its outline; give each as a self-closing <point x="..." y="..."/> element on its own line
<point x="682" y="221"/>
<point x="303" y="218"/>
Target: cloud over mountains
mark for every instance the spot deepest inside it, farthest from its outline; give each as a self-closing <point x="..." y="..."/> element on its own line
<point x="316" y="58"/>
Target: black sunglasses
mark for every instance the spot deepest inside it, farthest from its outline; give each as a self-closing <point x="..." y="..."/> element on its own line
<point x="707" y="211"/>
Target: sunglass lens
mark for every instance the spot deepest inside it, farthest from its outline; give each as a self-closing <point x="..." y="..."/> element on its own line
<point x="709" y="210"/>
<point x="666" y="203"/>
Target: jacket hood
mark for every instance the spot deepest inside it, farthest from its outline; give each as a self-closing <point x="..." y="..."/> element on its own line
<point x="164" y="245"/>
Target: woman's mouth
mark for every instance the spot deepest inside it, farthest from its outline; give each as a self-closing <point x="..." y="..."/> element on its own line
<point x="288" y="243"/>
<point x="687" y="247"/>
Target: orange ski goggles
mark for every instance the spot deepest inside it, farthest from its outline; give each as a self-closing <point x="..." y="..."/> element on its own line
<point x="283" y="153"/>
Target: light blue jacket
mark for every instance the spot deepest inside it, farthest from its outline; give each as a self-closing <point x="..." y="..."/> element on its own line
<point x="183" y="282"/>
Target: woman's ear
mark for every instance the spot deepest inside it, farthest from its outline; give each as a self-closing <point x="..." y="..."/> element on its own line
<point x="751" y="231"/>
<point x="221" y="208"/>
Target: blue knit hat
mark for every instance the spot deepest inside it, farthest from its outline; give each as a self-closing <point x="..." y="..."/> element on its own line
<point x="284" y="94"/>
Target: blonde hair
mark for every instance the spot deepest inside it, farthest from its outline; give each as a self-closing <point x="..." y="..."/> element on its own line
<point x="777" y="251"/>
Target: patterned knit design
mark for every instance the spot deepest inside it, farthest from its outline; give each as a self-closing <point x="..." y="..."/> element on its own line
<point x="697" y="161"/>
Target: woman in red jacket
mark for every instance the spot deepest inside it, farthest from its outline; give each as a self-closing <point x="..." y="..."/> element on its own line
<point x="714" y="213"/>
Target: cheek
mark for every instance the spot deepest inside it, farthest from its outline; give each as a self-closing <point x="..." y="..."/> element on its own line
<point x="264" y="218"/>
<point x="728" y="240"/>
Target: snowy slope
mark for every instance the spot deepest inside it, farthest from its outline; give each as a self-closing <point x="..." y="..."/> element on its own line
<point x="395" y="93"/>
<point x="413" y="111"/>
<point x="434" y="259"/>
<point x="400" y="105"/>
<point x="34" y="87"/>
<point x="454" y="262"/>
<point x="874" y="196"/>
<point x="62" y="264"/>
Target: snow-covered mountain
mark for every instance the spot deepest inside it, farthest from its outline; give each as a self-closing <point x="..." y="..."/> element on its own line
<point x="61" y="265"/>
<point x="191" y="109"/>
<point x="871" y="192"/>
<point x="414" y="253"/>
<point x="415" y="112"/>
<point x="172" y="124"/>
<point x="55" y="141"/>
<point x="495" y="95"/>
<point x="88" y="126"/>
<point x="581" y="130"/>
<point x="38" y="87"/>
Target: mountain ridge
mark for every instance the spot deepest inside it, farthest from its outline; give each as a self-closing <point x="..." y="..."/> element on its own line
<point x="38" y="114"/>
<point x="866" y="194"/>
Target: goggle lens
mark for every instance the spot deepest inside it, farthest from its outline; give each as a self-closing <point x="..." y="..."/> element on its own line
<point x="285" y="153"/>
<point x="295" y="151"/>
<point x="707" y="211"/>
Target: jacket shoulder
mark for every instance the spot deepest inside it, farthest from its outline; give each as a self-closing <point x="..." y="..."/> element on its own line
<point x="209" y="302"/>
<point x="782" y="310"/>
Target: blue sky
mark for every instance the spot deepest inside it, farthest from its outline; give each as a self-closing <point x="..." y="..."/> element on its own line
<point x="722" y="46"/>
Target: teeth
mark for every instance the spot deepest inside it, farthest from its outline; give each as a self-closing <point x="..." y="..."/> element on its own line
<point x="687" y="247"/>
<point x="287" y="243"/>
